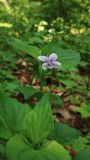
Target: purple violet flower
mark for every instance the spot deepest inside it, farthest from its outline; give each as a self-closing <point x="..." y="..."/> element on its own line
<point x="49" y="61"/>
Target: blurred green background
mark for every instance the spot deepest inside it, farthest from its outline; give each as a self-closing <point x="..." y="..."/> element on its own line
<point x="41" y="20"/>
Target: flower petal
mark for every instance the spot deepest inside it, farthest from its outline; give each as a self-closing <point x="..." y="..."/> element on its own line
<point x="56" y="64"/>
<point x="50" y="66"/>
<point x="53" y="57"/>
<point x="43" y="58"/>
<point x="45" y="66"/>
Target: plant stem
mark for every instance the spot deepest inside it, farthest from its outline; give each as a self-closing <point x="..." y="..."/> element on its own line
<point x="41" y="80"/>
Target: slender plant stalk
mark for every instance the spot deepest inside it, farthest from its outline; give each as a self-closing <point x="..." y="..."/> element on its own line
<point x="41" y="80"/>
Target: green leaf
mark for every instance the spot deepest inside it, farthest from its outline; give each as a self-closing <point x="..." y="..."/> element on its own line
<point x="12" y="114"/>
<point x="27" y="91"/>
<point x="83" y="154"/>
<point x="2" y="149"/>
<point x="10" y="86"/>
<point x="39" y="123"/>
<point x="5" y="132"/>
<point x="84" y="110"/>
<point x="18" y="148"/>
<point x="8" y="57"/>
<point x="6" y="74"/>
<point x="80" y="143"/>
<point x="23" y="46"/>
<point x="69" y="58"/>
<point x="55" y="99"/>
<point x="68" y="83"/>
<point x="63" y="133"/>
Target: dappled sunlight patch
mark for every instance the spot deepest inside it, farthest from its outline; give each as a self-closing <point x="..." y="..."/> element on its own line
<point x="76" y="31"/>
<point x="6" y="25"/>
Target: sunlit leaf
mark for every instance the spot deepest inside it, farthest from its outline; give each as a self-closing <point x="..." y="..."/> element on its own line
<point x="18" y="148"/>
<point x="38" y="123"/>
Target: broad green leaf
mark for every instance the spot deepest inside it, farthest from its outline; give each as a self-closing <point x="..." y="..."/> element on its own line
<point x="68" y="57"/>
<point x="63" y="133"/>
<point x="83" y="154"/>
<point x="39" y="123"/>
<point x="25" y="47"/>
<point x="27" y="91"/>
<point x="18" y="148"/>
<point x="12" y="114"/>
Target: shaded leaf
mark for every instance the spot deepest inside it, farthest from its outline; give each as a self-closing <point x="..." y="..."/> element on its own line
<point x="83" y="154"/>
<point x="12" y="114"/>
<point x="25" y="47"/>
<point x="27" y="91"/>
<point x="63" y="133"/>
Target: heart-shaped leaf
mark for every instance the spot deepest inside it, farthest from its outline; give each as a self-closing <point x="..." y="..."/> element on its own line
<point x="12" y="114"/>
<point x="39" y="122"/>
<point x="18" y="148"/>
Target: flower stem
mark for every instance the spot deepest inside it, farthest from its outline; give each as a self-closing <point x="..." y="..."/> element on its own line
<point x="41" y="80"/>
